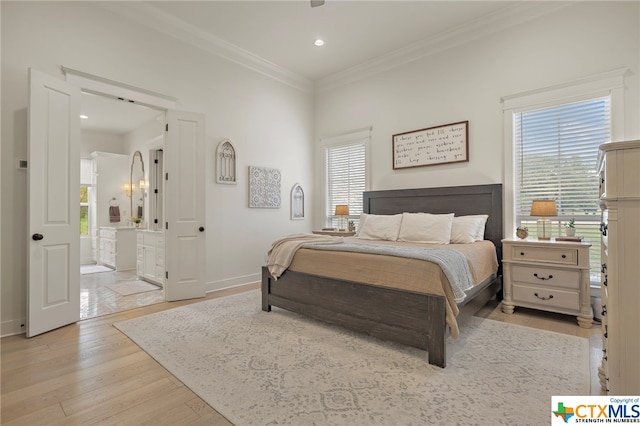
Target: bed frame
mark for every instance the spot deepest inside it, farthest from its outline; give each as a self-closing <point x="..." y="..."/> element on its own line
<point x="404" y="317"/>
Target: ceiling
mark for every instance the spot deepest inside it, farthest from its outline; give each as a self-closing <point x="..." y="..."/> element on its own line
<point x="279" y="35"/>
<point x="282" y="32"/>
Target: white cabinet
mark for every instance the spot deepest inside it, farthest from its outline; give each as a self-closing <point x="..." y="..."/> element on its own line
<point x="547" y="275"/>
<point x="620" y="254"/>
<point x="116" y="248"/>
<point x="150" y="256"/>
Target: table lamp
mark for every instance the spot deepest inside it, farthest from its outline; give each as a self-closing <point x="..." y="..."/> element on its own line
<point x="342" y="210"/>
<point x="544" y="209"/>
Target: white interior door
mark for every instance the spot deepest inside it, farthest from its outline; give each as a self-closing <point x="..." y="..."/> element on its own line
<point x="53" y="290"/>
<point x="185" y="209"/>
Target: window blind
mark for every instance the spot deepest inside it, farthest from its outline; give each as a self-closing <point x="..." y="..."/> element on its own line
<point x="346" y="173"/>
<point x="556" y="153"/>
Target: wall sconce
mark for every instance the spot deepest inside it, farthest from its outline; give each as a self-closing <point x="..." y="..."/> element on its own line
<point x="128" y="189"/>
<point x="342" y="210"/>
<point x="544" y="209"/>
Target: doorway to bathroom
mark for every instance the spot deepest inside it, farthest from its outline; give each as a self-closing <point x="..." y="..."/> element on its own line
<point x="53" y="288"/>
<point x="118" y="271"/>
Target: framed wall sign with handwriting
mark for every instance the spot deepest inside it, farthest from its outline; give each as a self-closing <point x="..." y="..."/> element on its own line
<point x="448" y="143"/>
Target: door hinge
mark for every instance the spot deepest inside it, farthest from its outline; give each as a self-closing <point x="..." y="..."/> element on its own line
<point x="155" y="160"/>
<point x="155" y="220"/>
<point x="166" y="274"/>
<point x="155" y="191"/>
<point x="166" y="127"/>
<point x="166" y="176"/>
<point x="166" y="225"/>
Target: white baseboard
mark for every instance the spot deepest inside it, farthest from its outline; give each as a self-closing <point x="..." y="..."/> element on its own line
<point x="233" y="282"/>
<point x="13" y="327"/>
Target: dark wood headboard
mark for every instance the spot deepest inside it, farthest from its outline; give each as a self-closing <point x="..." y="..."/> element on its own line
<point x="461" y="200"/>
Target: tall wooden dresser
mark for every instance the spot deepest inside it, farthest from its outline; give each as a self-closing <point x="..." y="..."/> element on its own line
<point x="619" y="166"/>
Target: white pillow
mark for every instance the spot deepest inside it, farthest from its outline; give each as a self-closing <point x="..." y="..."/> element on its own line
<point x="467" y="229"/>
<point x="380" y="227"/>
<point x="363" y="217"/>
<point x="426" y="228"/>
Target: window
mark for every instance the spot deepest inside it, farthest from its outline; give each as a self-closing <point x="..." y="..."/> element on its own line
<point x="556" y="152"/>
<point x="84" y="210"/>
<point x="86" y="167"/>
<point x="346" y="175"/>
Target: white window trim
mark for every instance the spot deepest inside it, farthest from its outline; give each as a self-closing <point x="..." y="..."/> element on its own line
<point x="353" y="136"/>
<point x="606" y="84"/>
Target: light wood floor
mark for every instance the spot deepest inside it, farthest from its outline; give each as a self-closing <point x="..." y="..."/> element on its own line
<point x="90" y="373"/>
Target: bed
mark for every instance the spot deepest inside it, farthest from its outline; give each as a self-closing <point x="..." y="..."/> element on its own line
<point x="406" y="317"/>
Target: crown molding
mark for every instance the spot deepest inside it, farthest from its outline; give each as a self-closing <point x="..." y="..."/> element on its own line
<point x="500" y="20"/>
<point x="152" y="17"/>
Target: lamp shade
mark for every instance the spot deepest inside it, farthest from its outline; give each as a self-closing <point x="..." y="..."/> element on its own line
<point x="342" y="210"/>
<point x="543" y="208"/>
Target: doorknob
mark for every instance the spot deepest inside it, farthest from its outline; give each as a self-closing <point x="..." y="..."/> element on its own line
<point x="201" y="229"/>
<point x="37" y="237"/>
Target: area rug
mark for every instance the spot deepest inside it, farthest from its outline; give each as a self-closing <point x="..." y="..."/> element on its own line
<point x="93" y="269"/>
<point x="126" y="288"/>
<point x="277" y="368"/>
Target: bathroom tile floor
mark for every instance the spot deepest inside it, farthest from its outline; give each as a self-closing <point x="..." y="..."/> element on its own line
<point x="97" y="300"/>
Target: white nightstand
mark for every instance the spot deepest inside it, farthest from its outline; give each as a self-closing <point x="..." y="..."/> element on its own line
<point x="548" y="275"/>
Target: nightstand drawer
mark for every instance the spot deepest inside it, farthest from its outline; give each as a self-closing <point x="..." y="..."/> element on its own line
<point x="547" y="297"/>
<point x="564" y="256"/>
<point x="546" y="276"/>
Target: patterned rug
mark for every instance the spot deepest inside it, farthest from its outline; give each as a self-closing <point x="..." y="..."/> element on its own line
<point x="126" y="288"/>
<point x="277" y="368"/>
<point x="93" y="269"/>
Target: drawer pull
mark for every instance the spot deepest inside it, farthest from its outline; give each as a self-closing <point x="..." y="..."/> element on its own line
<point x="542" y="278"/>
<point x="564" y="256"/>
<point x="521" y="253"/>
<point x="542" y="297"/>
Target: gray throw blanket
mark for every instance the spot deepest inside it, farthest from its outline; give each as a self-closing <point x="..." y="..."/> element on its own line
<point x="452" y="262"/>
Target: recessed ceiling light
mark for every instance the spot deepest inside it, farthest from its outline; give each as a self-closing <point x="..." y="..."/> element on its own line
<point x="84" y="116"/>
<point x="318" y="42"/>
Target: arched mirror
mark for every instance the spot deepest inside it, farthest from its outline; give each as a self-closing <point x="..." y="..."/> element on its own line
<point x="138" y="188"/>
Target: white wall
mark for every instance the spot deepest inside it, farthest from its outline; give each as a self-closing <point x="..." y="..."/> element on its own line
<point x="468" y="81"/>
<point x="101" y="141"/>
<point x="268" y="122"/>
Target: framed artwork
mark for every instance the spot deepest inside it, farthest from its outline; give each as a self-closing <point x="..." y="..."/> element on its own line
<point x="297" y="202"/>
<point x="264" y="187"/>
<point x="226" y="163"/>
<point x="448" y="143"/>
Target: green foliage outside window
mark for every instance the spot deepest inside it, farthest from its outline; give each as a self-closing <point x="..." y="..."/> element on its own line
<point x="84" y="210"/>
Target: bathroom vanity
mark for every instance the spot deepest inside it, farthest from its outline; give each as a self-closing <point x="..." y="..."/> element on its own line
<point x="150" y="256"/>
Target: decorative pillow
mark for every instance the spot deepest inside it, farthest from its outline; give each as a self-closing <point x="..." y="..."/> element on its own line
<point x="468" y="229"/>
<point x="380" y="227"/>
<point x="426" y="228"/>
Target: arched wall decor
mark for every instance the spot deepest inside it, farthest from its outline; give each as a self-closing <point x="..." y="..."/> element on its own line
<point x="297" y="202"/>
<point x="226" y="163"/>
